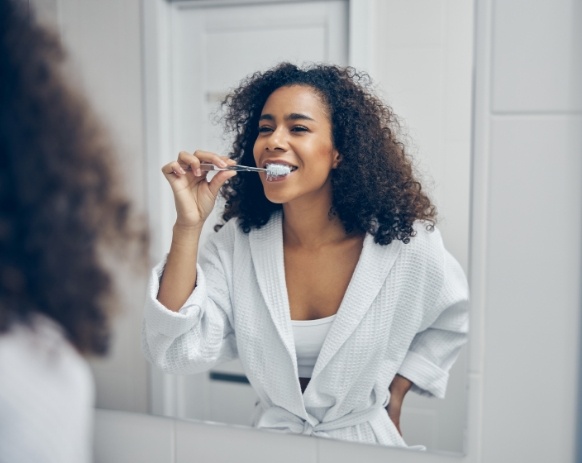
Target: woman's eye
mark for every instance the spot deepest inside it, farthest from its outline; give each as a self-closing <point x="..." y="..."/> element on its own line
<point x="299" y="128"/>
<point x="264" y="129"/>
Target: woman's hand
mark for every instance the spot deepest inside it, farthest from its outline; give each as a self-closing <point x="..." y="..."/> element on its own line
<point x="194" y="196"/>
<point x="398" y="389"/>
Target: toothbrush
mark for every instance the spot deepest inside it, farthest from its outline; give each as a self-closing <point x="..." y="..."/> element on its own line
<point x="272" y="170"/>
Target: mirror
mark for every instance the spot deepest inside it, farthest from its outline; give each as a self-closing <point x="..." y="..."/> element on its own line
<point x="419" y="53"/>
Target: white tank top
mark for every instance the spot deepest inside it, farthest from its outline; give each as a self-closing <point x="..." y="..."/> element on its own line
<point x="309" y="336"/>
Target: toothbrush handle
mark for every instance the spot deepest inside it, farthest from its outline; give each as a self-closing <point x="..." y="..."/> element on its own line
<point x="210" y="167"/>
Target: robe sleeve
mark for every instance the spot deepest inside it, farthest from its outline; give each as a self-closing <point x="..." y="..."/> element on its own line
<point x="436" y="346"/>
<point x="198" y="336"/>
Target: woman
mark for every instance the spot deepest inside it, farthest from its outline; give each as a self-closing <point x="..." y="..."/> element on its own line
<point x="60" y="208"/>
<point x="331" y="283"/>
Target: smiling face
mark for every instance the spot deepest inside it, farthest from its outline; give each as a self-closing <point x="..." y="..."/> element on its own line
<point x="295" y="130"/>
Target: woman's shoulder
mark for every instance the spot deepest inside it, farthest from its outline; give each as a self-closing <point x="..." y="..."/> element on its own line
<point x="225" y="230"/>
<point x="40" y="345"/>
<point x="226" y="237"/>
<point x="427" y="237"/>
<point x="46" y="376"/>
<point x="232" y="231"/>
<point x="426" y="248"/>
<point x="428" y="254"/>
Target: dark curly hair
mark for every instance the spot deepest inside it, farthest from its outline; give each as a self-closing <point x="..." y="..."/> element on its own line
<point x="374" y="187"/>
<point x="61" y="205"/>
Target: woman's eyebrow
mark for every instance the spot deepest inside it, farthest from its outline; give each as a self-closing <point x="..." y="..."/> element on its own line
<point x="298" y="116"/>
<point x="289" y="117"/>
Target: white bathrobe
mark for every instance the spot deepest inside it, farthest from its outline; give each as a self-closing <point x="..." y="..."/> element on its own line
<point x="405" y="311"/>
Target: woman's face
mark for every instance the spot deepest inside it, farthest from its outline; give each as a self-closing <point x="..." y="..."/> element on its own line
<point x="295" y="129"/>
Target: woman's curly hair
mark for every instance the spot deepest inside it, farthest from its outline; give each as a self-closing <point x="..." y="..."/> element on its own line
<point x="374" y="187"/>
<point x="60" y="202"/>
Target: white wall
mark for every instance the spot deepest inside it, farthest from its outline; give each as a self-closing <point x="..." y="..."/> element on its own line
<point x="528" y="131"/>
<point x="423" y="56"/>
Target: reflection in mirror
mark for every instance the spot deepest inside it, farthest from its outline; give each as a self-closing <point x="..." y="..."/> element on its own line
<point x="420" y="61"/>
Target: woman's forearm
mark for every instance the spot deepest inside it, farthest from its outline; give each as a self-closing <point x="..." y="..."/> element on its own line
<point x="400" y="386"/>
<point x="398" y="390"/>
<point x="179" y="277"/>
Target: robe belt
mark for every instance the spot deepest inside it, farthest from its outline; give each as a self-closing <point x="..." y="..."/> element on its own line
<point x="277" y="418"/>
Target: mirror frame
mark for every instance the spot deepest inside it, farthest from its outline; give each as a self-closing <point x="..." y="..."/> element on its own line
<point x="156" y="24"/>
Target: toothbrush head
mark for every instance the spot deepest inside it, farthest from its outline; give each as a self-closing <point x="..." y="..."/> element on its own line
<point x="278" y="170"/>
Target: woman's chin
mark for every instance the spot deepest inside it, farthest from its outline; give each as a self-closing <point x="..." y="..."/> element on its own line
<point x="276" y="199"/>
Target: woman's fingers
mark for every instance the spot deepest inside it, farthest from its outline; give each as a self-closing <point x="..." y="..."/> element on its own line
<point x="188" y="165"/>
<point x="173" y="168"/>
<point x="191" y="162"/>
<point x="218" y="180"/>
<point x="194" y="195"/>
<point x="207" y="156"/>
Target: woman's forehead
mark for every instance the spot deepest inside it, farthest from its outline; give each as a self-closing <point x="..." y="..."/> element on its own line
<point x="298" y="99"/>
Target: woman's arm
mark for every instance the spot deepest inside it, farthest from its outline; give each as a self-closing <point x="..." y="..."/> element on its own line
<point x="179" y="277"/>
<point x="186" y="331"/>
<point x="442" y="334"/>
<point x="398" y="390"/>
<point x="201" y="333"/>
<point x="194" y="199"/>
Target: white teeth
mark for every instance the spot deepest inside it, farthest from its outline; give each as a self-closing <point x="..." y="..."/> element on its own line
<point x="277" y="170"/>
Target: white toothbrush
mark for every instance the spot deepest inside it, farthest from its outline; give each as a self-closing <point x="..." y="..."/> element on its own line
<point x="272" y="170"/>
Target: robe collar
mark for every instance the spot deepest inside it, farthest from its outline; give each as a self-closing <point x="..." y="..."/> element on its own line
<point x="374" y="264"/>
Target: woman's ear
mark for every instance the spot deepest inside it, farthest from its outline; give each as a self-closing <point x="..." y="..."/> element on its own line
<point x="336" y="159"/>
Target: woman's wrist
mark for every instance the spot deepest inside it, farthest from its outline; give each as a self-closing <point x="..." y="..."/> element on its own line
<point x="186" y="234"/>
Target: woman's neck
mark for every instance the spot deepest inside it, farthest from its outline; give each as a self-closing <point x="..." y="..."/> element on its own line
<point x="308" y="225"/>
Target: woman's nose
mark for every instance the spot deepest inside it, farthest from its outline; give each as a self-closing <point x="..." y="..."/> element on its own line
<point x="276" y="140"/>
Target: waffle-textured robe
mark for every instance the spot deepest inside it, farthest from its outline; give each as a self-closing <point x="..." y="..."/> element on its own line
<point x="405" y="311"/>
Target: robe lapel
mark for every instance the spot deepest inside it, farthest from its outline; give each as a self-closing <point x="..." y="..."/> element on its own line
<point x="266" y="246"/>
<point x="371" y="271"/>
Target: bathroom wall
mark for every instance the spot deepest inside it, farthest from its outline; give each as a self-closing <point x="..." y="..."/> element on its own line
<point x="528" y="142"/>
<point x="526" y="255"/>
<point x="422" y="62"/>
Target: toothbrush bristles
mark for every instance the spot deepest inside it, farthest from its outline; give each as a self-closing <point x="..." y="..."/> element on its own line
<point x="278" y="170"/>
